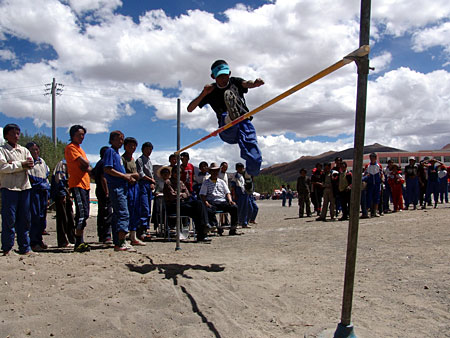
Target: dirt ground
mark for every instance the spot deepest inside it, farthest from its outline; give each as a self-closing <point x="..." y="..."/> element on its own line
<point x="282" y="278"/>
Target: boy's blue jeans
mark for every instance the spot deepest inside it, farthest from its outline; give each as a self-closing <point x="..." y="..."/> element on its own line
<point x="38" y="204"/>
<point x="145" y="192"/>
<point x="443" y="190"/>
<point x="243" y="206"/>
<point x="253" y="209"/>
<point x="432" y="188"/>
<point x="16" y="218"/>
<point x="244" y="135"/>
<point x="120" y="218"/>
<point x="134" y="210"/>
<point x="412" y="191"/>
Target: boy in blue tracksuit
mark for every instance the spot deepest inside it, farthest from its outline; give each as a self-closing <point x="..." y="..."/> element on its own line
<point x="226" y="98"/>
<point x="40" y="188"/>
<point x="118" y="180"/>
<point x="373" y="175"/>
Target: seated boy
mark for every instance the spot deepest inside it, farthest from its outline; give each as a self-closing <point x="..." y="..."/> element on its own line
<point x="217" y="197"/>
<point x="188" y="206"/>
<point x="226" y="98"/>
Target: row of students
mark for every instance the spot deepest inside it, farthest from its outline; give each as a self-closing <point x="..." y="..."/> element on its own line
<point x="331" y="187"/>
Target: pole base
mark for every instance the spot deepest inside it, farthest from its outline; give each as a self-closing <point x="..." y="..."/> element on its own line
<point x="344" y="331"/>
<point x="176" y="249"/>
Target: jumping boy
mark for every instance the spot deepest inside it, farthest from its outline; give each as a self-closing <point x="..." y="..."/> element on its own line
<point x="226" y="98"/>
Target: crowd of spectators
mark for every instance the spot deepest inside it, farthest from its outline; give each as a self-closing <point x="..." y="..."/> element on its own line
<point x="384" y="190"/>
<point x="125" y="189"/>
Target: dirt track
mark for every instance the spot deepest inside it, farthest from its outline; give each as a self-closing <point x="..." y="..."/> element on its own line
<point x="282" y="278"/>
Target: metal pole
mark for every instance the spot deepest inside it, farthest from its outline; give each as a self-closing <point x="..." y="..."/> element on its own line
<point x="345" y="328"/>
<point x="54" y="112"/>
<point x="178" y="173"/>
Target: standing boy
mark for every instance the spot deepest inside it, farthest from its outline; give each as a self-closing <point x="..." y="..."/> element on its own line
<point x="39" y="197"/>
<point x="303" y="194"/>
<point x="79" y="183"/>
<point x="15" y="160"/>
<point x="117" y="180"/>
<point x="104" y="215"/>
<point x="412" y="183"/>
<point x="328" y="195"/>
<point x="146" y="185"/>
<point x="226" y="98"/>
<point x="65" y="227"/>
<point x="133" y="197"/>
<point x="374" y="174"/>
<point x="240" y="196"/>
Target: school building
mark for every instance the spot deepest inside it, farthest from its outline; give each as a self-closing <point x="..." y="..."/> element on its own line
<point x="402" y="158"/>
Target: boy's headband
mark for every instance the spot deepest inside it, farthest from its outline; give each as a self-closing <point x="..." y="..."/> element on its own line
<point x="220" y="69"/>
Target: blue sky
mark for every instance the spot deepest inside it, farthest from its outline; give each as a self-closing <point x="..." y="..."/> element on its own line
<point x="124" y="63"/>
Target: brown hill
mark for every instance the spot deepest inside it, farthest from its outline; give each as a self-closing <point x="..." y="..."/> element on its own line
<point x="289" y="171"/>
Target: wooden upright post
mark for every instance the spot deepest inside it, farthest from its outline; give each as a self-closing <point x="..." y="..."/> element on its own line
<point x="345" y="327"/>
<point x="178" y="175"/>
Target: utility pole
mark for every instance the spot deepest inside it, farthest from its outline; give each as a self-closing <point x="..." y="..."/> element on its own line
<point x="55" y="89"/>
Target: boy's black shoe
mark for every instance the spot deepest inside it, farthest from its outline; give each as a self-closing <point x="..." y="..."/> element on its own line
<point x="233" y="232"/>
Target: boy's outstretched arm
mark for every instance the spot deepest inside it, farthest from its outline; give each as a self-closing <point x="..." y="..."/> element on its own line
<point x="253" y="84"/>
<point x="195" y="102"/>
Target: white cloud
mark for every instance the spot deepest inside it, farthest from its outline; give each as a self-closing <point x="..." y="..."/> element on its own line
<point x="436" y="36"/>
<point x="401" y="16"/>
<point x="409" y="110"/>
<point x="6" y="54"/>
<point x="82" y="6"/>
<point x="381" y="62"/>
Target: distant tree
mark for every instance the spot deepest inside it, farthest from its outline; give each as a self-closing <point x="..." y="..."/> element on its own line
<point x="267" y="183"/>
<point x="48" y="152"/>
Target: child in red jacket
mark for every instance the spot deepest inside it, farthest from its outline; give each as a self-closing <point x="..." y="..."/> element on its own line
<point x="396" y="183"/>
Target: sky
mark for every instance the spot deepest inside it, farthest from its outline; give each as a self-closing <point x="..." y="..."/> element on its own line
<point x="123" y="65"/>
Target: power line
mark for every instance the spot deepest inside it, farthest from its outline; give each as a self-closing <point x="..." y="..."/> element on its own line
<point x="23" y="87"/>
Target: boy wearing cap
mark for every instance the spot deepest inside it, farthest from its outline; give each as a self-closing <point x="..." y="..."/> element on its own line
<point x="226" y="98"/>
<point x="217" y="197"/>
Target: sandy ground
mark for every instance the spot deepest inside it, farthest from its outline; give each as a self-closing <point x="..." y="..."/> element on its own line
<point x="282" y="278"/>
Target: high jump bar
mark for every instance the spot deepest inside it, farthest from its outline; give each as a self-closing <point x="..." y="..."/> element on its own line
<point x="362" y="51"/>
